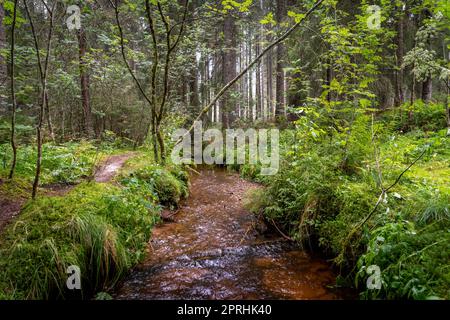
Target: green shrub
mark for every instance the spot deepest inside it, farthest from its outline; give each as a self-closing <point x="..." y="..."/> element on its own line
<point x="427" y="117"/>
<point x="168" y="189"/>
<point x="413" y="262"/>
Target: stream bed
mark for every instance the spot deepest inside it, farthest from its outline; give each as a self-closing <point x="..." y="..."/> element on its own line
<point x="212" y="251"/>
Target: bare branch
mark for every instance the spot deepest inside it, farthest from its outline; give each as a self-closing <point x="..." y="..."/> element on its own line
<point x="122" y="49"/>
<point x="255" y="61"/>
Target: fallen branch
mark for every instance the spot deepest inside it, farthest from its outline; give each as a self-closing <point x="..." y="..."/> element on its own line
<point x="254" y="62"/>
<point x="384" y="191"/>
<point x="281" y="232"/>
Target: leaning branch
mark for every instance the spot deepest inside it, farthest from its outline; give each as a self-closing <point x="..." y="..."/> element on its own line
<point x="383" y="193"/>
<point x="255" y="61"/>
<point x="122" y="49"/>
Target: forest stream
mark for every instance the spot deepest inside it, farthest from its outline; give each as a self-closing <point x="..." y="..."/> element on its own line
<point x="212" y="250"/>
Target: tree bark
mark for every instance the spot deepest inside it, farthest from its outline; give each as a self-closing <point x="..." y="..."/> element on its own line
<point x="13" y="91"/>
<point x="258" y="78"/>
<point x="194" y="100"/>
<point x="3" y="63"/>
<point x="427" y="85"/>
<point x="427" y="90"/>
<point x="281" y="56"/>
<point x="229" y="69"/>
<point x="329" y="78"/>
<point x="399" y="96"/>
<point x="84" y="82"/>
<point x="269" y="85"/>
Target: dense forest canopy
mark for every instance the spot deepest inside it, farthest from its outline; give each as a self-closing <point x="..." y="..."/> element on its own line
<point x="358" y="89"/>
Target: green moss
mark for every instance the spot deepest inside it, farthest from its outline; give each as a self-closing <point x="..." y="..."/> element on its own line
<point x="101" y="228"/>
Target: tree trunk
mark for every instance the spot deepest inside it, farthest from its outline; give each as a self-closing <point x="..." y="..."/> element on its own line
<point x="194" y="101"/>
<point x="84" y="82"/>
<point x="427" y="90"/>
<point x="269" y="78"/>
<point x="399" y="96"/>
<point x="281" y="56"/>
<point x="258" y="79"/>
<point x="427" y="85"/>
<point x="3" y="63"/>
<point x="251" y="110"/>
<point x="229" y="69"/>
<point x="184" y="92"/>
<point x="329" y="78"/>
<point x="48" y="118"/>
<point x="13" y="92"/>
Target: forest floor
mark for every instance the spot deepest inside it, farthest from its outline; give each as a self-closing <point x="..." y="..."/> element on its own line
<point x="10" y="207"/>
<point x="111" y="166"/>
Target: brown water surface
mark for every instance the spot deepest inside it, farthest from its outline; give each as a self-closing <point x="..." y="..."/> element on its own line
<point x="212" y="251"/>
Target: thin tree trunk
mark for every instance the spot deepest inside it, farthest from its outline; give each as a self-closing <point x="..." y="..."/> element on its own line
<point x="229" y="68"/>
<point x="48" y="118"/>
<point x="258" y="79"/>
<point x="3" y="44"/>
<point x="251" y="110"/>
<point x="281" y="56"/>
<point x="427" y="85"/>
<point x="13" y="94"/>
<point x="194" y="101"/>
<point x="399" y="96"/>
<point x="447" y="98"/>
<point x="43" y="71"/>
<point x="269" y="85"/>
<point x="329" y="78"/>
<point x="84" y="82"/>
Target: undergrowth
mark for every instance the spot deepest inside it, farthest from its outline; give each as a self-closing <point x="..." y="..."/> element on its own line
<point x="101" y="228"/>
<point x="328" y="185"/>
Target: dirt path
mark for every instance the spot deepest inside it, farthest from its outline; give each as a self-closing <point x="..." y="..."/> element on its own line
<point x="109" y="169"/>
<point x="213" y="251"/>
<point x="10" y="208"/>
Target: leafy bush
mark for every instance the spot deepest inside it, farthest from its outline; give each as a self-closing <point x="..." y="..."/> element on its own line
<point x="167" y="185"/>
<point x="427" y="117"/>
<point x="168" y="189"/>
<point x="412" y="261"/>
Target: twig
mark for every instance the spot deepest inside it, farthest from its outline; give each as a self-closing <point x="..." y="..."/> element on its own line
<point x="281" y="232"/>
<point x="380" y="198"/>
<point x="254" y="62"/>
<point x="193" y="170"/>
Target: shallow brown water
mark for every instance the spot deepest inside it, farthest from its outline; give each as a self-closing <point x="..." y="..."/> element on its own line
<point x="212" y="251"/>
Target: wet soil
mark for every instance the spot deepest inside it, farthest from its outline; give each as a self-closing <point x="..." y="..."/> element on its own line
<point x="109" y="168"/>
